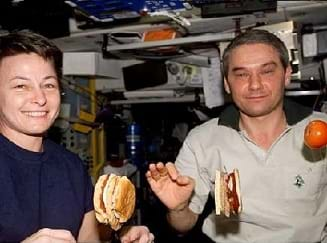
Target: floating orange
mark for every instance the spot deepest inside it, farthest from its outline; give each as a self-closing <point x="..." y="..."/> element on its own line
<point x="315" y="134"/>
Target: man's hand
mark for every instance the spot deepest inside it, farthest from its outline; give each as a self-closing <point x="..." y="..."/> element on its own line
<point x="136" y="234"/>
<point x="46" y="235"/>
<point x="173" y="189"/>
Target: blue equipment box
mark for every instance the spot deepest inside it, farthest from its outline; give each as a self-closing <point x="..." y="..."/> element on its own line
<point x="110" y="10"/>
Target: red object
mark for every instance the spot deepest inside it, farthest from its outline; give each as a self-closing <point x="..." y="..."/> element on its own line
<point x="315" y="134"/>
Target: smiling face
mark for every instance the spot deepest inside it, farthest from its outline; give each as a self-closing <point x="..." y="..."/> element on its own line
<point x="256" y="79"/>
<point x="29" y="96"/>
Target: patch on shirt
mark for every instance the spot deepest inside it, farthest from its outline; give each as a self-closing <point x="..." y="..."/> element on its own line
<point x="299" y="181"/>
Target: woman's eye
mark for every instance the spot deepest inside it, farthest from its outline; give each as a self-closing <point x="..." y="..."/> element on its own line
<point x="50" y="86"/>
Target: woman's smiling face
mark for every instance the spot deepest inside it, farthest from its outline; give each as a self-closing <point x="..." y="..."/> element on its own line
<point x="29" y="95"/>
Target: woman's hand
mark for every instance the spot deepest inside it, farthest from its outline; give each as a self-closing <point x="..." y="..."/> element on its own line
<point x="46" y="235"/>
<point x="136" y="234"/>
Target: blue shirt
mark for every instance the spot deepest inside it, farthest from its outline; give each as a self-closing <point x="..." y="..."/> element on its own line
<point x="48" y="189"/>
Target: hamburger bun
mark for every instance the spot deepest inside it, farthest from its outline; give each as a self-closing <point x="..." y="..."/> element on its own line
<point x="114" y="200"/>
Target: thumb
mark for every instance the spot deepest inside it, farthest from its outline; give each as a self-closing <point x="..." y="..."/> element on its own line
<point x="185" y="180"/>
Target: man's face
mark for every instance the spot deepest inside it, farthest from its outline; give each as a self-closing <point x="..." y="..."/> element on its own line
<point x="256" y="79"/>
<point x="29" y="95"/>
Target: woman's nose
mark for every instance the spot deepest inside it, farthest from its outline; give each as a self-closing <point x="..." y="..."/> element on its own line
<point x="39" y="96"/>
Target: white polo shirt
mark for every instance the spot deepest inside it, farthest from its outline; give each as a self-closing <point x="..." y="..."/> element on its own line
<point x="284" y="189"/>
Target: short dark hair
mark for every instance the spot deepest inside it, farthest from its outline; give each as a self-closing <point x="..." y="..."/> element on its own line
<point x="256" y="36"/>
<point x="26" y="42"/>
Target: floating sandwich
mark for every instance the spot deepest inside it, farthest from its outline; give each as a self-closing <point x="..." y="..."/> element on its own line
<point x="227" y="193"/>
<point x="114" y="200"/>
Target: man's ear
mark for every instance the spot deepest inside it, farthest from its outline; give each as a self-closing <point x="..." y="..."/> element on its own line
<point x="288" y="75"/>
<point x="226" y="86"/>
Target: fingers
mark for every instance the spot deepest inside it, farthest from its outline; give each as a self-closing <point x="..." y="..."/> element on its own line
<point x="159" y="170"/>
<point x="50" y="235"/>
<point x="162" y="169"/>
<point x="137" y="234"/>
<point x="154" y="172"/>
<point x="172" y="171"/>
<point x="62" y="234"/>
<point x="151" y="238"/>
<point x="146" y="238"/>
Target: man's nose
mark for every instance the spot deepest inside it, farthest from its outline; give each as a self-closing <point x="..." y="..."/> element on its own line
<point x="255" y="82"/>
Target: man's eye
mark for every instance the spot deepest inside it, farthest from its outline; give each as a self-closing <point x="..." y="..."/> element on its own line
<point x="241" y="75"/>
<point x="20" y="86"/>
<point x="268" y="71"/>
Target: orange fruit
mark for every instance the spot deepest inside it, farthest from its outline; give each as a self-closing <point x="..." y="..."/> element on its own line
<point x="315" y="134"/>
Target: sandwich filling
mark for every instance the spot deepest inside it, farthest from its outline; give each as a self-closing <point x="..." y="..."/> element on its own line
<point x="227" y="193"/>
<point x="231" y="192"/>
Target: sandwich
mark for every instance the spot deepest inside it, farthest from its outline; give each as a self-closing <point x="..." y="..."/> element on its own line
<point x="114" y="200"/>
<point x="227" y="193"/>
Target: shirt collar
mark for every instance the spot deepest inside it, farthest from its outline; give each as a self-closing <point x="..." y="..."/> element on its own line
<point x="294" y="112"/>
